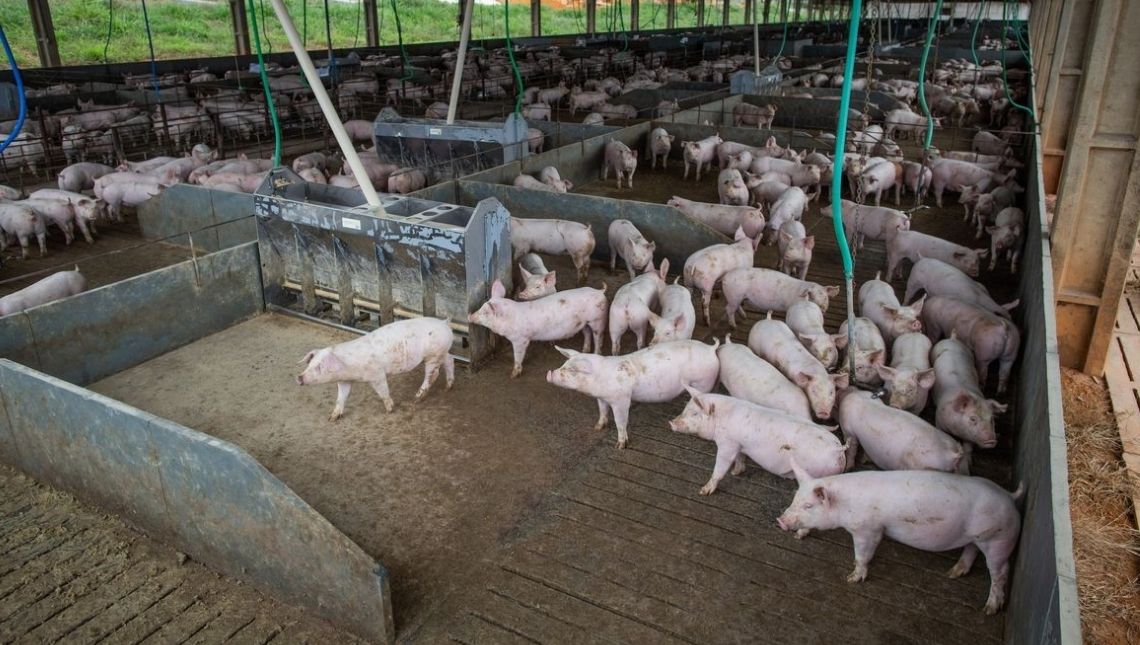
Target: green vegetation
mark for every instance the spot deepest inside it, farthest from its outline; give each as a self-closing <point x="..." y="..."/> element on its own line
<point x="202" y="29"/>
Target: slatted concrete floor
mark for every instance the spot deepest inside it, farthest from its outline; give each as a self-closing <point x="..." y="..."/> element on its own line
<point x="70" y="574"/>
<point x="1122" y="373"/>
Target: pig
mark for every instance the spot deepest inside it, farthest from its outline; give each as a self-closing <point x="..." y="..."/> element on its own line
<point x="722" y="218"/>
<point x="700" y="154"/>
<point x="628" y="242"/>
<point x="22" y="222"/>
<point x="535" y="140"/>
<point x="875" y="222"/>
<point x="878" y="178"/>
<point x="25" y="151"/>
<point x="773" y="341"/>
<point x="769" y="290"/>
<point x="61" y="213"/>
<point x="549" y="175"/>
<point x="954" y="175"/>
<point x="593" y="118"/>
<point x="555" y="317"/>
<point x="313" y="175"/>
<point x="359" y="130"/>
<point x="960" y="407"/>
<point x="905" y="121"/>
<point x="747" y="376"/>
<point x="790" y="206"/>
<point x="437" y="110"/>
<point x="81" y="176"/>
<point x="652" y="375"/>
<point x="766" y="192"/>
<point x="555" y="236"/>
<point x="795" y="249"/>
<point x="986" y="205"/>
<point x="940" y="279"/>
<point x="1006" y="237"/>
<point x="792" y="172"/>
<point x="923" y="509"/>
<point x="877" y="301"/>
<point x="706" y="266"/>
<point x="660" y="144"/>
<point x="553" y="95"/>
<point x="895" y="439"/>
<point x="316" y="160"/>
<point x="733" y="191"/>
<point x="678" y="318"/>
<point x="665" y="108"/>
<point x="770" y="437"/>
<point x="392" y="349"/>
<point x="9" y="193"/>
<point x="87" y="210"/>
<point x="633" y="304"/>
<point x="56" y="286"/>
<point x="620" y="111"/>
<point x="989" y="337"/>
<point x="586" y="100"/>
<point x="533" y="112"/>
<point x="866" y="346"/>
<point x="144" y="166"/>
<point x="343" y="181"/>
<point x="912" y="245"/>
<point x="748" y="114"/>
<point x="989" y="143"/>
<point x="535" y="281"/>
<point x="621" y="159"/>
<point x="916" y="178"/>
<point x="805" y="318"/>
<point x="530" y="183"/>
<point x="909" y="378"/>
<point x="131" y="189"/>
<point x="406" y="180"/>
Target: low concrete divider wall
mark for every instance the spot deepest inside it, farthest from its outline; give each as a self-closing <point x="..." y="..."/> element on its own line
<point x="212" y="219"/>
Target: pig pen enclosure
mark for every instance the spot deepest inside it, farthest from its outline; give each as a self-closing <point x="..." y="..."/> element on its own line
<point x="492" y="512"/>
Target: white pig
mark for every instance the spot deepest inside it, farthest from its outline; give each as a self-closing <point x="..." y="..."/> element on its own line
<point x="392" y="349"/>
<point x="870" y="351"/>
<point x="913" y="246"/>
<point x="700" y="153"/>
<point x="961" y="408"/>
<point x="732" y="189"/>
<point x="81" y="176"/>
<point x="633" y="304"/>
<point x="535" y="280"/>
<point x="550" y="176"/>
<point x="790" y="206"/>
<point x="795" y="249"/>
<point x="706" y="266"/>
<point x="628" y="242"/>
<point x="22" y="223"/>
<point x="660" y="144"/>
<point x="621" y="159"/>
<point x="678" y="318"/>
<point x="54" y="287"/>
<point x="723" y="218"/>
<point x="555" y="236"/>
<point x="805" y="318"/>
<point x="747" y="376"/>
<point x="940" y="279"/>
<point x="769" y="290"/>
<point x="1005" y="237"/>
<point x="909" y="378"/>
<point x="555" y="317"/>
<point x="927" y="510"/>
<point x="773" y="341"/>
<point x="895" y="439"/>
<point x="877" y="301"/>
<point x="652" y="375"/>
<point x="770" y="437"/>
<point x="989" y="337"/>
<point x="876" y="222"/>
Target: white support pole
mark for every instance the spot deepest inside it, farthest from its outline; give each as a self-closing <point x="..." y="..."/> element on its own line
<point x="327" y="107"/>
<point x="460" y="62"/>
<point x="756" y="39"/>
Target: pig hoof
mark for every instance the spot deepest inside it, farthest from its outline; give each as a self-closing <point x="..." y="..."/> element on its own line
<point x="622" y="443"/>
<point x="389" y="406"/>
<point x="335" y="415"/>
<point x="856" y="576"/>
<point x="708" y="489"/>
<point x="515" y="372"/>
<point x="957" y="571"/>
<point x="802" y="533"/>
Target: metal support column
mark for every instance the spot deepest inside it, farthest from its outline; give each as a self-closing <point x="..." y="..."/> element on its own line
<point x="1098" y="194"/>
<point x="795" y="17"/>
<point x="591" y="16"/>
<point x="44" y="32"/>
<point x="634" y="15"/>
<point x="671" y="14"/>
<point x="240" y="27"/>
<point x="700" y="13"/>
<point x="724" y="13"/>
<point x="767" y="8"/>
<point x="749" y="7"/>
<point x="372" y="22"/>
<point x="536" y="18"/>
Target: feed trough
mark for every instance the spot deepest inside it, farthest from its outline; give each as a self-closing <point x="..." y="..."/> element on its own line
<point x="451" y="149"/>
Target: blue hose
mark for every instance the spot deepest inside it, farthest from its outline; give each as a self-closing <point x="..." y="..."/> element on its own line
<point x="153" y="64"/>
<point x="19" y="90"/>
<point x="922" y="74"/>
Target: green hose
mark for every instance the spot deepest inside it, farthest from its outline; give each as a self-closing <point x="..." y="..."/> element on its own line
<point x="922" y="74"/>
<point x="510" y="54"/>
<point x="1004" y="78"/>
<point x="837" y="175"/>
<point x="403" y="51"/>
<point x="784" y="38"/>
<point x="974" y="39"/>
<point x="265" y="86"/>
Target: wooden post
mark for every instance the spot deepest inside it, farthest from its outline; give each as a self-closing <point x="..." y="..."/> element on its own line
<point x="796" y="14"/>
<point x="767" y="7"/>
<point x="591" y="16"/>
<point x="634" y="15"/>
<point x="700" y="13"/>
<point x="671" y="14"/>
<point x="240" y="26"/>
<point x="749" y="7"/>
<point x="44" y="32"/>
<point x="372" y="22"/>
<point x="535" y="18"/>
<point x="1098" y="195"/>
<point x="724" y="13"/>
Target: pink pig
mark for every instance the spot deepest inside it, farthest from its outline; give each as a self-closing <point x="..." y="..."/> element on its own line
<point x="555" y="236"/>
<point x="877" y="301"/>
<point x="723" y="218"/>
<point x="652" y="375"/>
<point x="895" y="439"/>
<point x="913" y="246"/>
<point x="678" y="318"/>
<point x="555" y="317"/>
<point x="392" y="349"/>
<point x="773" y="341"/>
<point x="770" y="290"/>
<point x="699" y="153"/>
<point x="628" y="242"/>
<point x="633" y="304"/>
<point x="706" y="266"/>
<point x="927" y="510"/>
<point x="940" y="279"/>
<point x="771" y="438"/>
<point x="909" y="378"/>
<point x="805" y="318"/>
<point x="535" y="281"/>
<point x="988" y="336"/>
<point x="962" y="409"/>
<point x="747" y="376"/>
<point x="621" y="159"/>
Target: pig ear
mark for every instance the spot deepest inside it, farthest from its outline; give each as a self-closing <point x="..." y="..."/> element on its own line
<point x="801" y="379"/>
<point x="549" y="279"/>
<point x="822" y="495"/>
<point x="652" y="247"/>
<point x="961" y="402"/>
<point x="739" y="235"/>
<point x="840" y="340"/>
<point x="525" y="274"/>
<point x="568" y="353"/>
<point x="809" y="242"/>
<point x="785" y="236"/>
<point x="958" y="255"/>
<point x="886" y="373"/>
<point x="982" y="253"/>
<point x="926" y="378"/>
<point x="802" y="476"/>
<point x="679" y="321"/>
<point x="917" y="305"/>
<point x="664" y="270"/>
<point x="998" y="408"/>
<point x="841" y="380"/>
<point x="893" y="311"/>
<point x="876" y="356"/>
<point x="498" y="290"/>
<point x="832" y="291"/>
<point x="991" y="229"/>
<point x="308" y="357"/>
<point x="653" y="318"/>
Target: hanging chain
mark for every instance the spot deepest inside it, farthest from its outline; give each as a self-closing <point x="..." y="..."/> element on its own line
<point x="873" y="41"/>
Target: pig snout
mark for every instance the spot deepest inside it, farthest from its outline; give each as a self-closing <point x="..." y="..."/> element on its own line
<point x="785" y="523"/>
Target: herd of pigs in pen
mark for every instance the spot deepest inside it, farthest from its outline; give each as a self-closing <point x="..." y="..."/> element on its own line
<point x="932" y="348"/>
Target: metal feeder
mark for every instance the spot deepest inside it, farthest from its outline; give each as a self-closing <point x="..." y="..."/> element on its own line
<point x="452" y="150"/>
<point x="324" y="250"/>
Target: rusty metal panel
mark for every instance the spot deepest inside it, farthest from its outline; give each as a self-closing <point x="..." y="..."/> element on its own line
<point x="206" y="497"/>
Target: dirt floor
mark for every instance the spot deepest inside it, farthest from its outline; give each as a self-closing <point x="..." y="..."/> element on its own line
<point x="1106" y="547"/>
<point x="69" y="573"/>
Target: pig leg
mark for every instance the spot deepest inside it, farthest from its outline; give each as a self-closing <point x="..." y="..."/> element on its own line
<point x="852" y="450"/>
<point x="706" y="300"/>
<point x="725" y="458"/>
<point x="606" y="171"/>
<point x="618" y="172"/>
<point x="42" y="239"/>
<point x="629" y="179"/>
<point x="83" y="229"/>
<point x="431" y="373"/>
<point x="1005" y="366"/>
<point x="665" y="161"/>
<point x="983" y="367"/>
<point x="519" y="347"/>
<point x="616" y="332"/>
<point x="865" y="545"/>
<point x="730" y="308"/>
<point x="586" y="340"/>
<point x="686" y="169"/>
<point x="582" y="264"/>
<point x="449" y="370"/>
<point x="738" y="465"/>
<point x="381" y="387"/>
<point x="603" y="415"/>
<point x="613" y="259"/>
<point x="639" y="331"/>
<point x="24" y="246"/>
<point x="1015" y="255"/>
<point x="965" y="562"/>
<point x="342" y="390"/>
<point x="997" y="560"/>
<point x="621" y="420"/>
